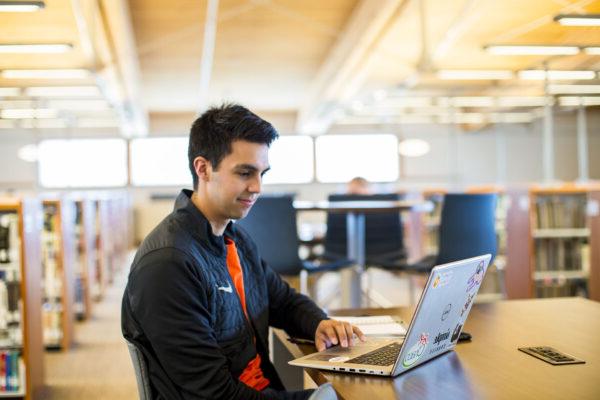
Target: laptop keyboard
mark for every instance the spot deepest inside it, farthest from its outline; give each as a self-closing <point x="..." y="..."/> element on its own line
<point x="383" y="356"/>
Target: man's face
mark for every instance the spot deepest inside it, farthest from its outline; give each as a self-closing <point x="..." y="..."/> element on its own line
<point x="233" y="188"/>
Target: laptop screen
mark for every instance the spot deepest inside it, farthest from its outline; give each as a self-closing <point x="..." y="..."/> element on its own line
<point x="442" y="311"/>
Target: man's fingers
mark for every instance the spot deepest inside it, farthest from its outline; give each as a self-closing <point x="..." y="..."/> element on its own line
<point x="359" y="333"/>
<point x="349" y="334"/>
<point x="322" y="342"/>
<point x="331" y="335"/>
<point x="341" y="333"/>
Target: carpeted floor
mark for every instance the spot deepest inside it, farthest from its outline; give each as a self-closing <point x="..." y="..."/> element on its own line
<point x="98" y="366"/>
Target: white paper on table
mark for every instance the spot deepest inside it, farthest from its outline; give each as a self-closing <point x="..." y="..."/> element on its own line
<point x="377" y="325"/>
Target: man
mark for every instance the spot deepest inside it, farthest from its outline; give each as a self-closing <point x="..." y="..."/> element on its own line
<point x="199" y="299"/>
<point x="358" y="185"/>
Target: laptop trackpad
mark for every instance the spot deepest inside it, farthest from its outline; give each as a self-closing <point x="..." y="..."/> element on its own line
<point x="339" y="354"/>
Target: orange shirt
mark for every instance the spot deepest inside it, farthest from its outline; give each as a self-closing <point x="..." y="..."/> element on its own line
<point x="252" y="376"/>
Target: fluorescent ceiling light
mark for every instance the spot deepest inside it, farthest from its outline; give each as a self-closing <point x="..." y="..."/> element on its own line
<point x="50" y="123"/>
<point x="574" y="89"/>
<point x="511" y="118"/>
<point x="21" y="6"/>
<point x="526" y="50"/>
<point x="568" y="101"/>
<point x="407" y="102"/>
<point x="522" y="101"/>
<point x="578" y="19"/>
<point x="462" y="118"/>
<point x="416" y="119"/>
<point x="593" y="51"/>
<point x="63" y="91"/>
<point x="79" y="105"/>
<point x="475" y="74"/>
<point x="466" y="101"/>
<point x="97" y="123"/>
<point x="9" y="91"/>
<point x="540" y="74"/>
<point x="35" y="48"/>
<point x="413" y="147"/>
<point x="18" y="104"/>
<point x="45" y="74"/>
<point x="20" y="113"/>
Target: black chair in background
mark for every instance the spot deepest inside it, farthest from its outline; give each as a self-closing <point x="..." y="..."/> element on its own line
<point x="467" y="229"/>
<point x="384" y="238"/>
<point x="272" y="225"/>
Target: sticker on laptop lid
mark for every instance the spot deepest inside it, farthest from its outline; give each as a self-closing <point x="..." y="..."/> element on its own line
<point x="475" y="279"/>
<point x="416" y="350"/>
<point x="467" y="304"/>
<point x="446" y="311"/>
<point x="456" y="332"/>
<point x="442" y="279"/>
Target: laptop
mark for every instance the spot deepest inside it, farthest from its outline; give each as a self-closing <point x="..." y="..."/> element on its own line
<point x="434" y="329"/>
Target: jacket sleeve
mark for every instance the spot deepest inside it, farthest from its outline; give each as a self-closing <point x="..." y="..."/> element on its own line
<point x="167" y="297"/>
<point x="297" y="314"/>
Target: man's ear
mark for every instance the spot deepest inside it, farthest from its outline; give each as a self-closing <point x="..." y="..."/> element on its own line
<point x="203" y="168"/>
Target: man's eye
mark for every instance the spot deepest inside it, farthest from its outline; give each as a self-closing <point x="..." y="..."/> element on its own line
<point x="244" y="174"/>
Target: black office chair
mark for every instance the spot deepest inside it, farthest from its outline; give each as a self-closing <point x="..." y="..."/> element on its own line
<point x="271" y="223"/>
<point x="140" y="368"/>
<point x="384" y="238"/>
<point x="467" y="229"/>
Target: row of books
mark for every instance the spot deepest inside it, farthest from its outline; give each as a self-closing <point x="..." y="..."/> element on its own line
<point x="561" y="211"/>
<point x="562" y="254"/>
<point x="10" y="370"/>
<point x="565" y="289"/>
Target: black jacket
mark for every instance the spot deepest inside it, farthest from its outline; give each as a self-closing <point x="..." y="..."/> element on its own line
<point x="181" y="309"/>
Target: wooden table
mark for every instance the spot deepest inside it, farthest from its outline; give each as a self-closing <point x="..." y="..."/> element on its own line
<point x="355" y="232"/>
<point x="490" y="366"/>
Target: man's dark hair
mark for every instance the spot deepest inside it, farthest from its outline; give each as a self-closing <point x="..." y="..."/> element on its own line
<point x="216" y="129"/>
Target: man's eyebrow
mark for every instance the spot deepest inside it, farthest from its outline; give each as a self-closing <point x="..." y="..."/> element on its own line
<point x="250" y="167"/>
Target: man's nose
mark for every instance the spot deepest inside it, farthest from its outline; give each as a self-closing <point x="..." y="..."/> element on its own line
<point x="255" y="185"/>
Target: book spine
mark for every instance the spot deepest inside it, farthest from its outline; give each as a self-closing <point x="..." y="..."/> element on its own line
<point x="14" y="369"/>
<point x="7" y="372"/>
<point x="3" y="371"/>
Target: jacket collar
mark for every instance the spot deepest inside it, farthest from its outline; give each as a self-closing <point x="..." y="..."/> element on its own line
<point x="198" y="225"/>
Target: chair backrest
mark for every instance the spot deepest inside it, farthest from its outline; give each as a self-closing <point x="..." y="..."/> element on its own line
<point x="141" y="371"/>
<point x="383" y="231"/>
<point x="271" y="223"/>
<point x="467" y="227"/>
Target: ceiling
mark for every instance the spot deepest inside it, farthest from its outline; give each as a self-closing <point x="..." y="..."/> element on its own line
<point x="320" y="63"/>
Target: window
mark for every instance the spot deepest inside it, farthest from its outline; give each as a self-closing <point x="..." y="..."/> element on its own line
<point x="343" y="157"/>
<point x="291" y="160"/>
<point x="82" y="163"/>
<point x="160" y="162"/>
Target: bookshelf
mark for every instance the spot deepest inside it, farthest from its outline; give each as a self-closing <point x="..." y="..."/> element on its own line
<point x="555" y="242"/>
<point x="85" y="258"/>
<point x="98" y="280"/>
<point x="112" y="231"/>
<point x="58" y="258"/>
<point x="21" y="344"/>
